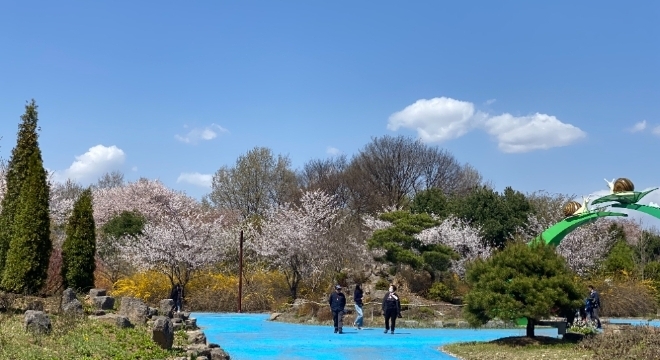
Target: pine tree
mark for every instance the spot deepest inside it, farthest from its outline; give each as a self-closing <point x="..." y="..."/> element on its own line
<point x="29" y="251"/>
<point x="79" y="247"/>
<point x="26" y="145"/>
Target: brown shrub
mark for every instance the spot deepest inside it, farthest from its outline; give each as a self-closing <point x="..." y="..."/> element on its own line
<point x="54" y="273"/>
<point x="418" y="282"/>
<point x="324" y="314"/>
<point x="626" y="299"/>
<point x="639" y="343"/>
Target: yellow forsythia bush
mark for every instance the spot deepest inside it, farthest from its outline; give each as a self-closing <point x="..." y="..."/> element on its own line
<point x="209" y="291"/>
<point x="150" y="286"/>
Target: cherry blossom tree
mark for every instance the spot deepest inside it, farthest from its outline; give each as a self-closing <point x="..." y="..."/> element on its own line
<point x="3" y="180"/>
<point x="463" y="238"/>
<point x="180" y="239"/>
<point x="584" y="247"/>
<point x="297" y="239"/>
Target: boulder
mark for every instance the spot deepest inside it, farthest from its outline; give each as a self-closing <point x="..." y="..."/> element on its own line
<point x="151" y="312"/>
<point x="36" y="305"/>
<point x="274" y="316"/>
<point x="182" y="315"/>
<point x="37" y="322"/>
<point x="219" y="354"/>
<point x="177" y="326"/>
<point x="104" y="302"/>
<point x="198" y="350"/>
<point x="191" y="324"/>
<point x="438" y="323"/>
<point x="462" y="324"/>
<point x="99" y="312"/>
<point x="119" y="321"/>
<point x="163" y="332"/>
<point x="97" y="292"/>
<point x="196" y="337"/>
<point x="70" y="304"/>
<point x="165" y="307"/>
<point x="411" y="323"/>
<point x="134" y="309"/>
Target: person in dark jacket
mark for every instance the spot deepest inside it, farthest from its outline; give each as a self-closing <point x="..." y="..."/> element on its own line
<point x="391" y="309"/>
<point x="357" y="299"/>
<point x="177" y="296"/>
<point x="337" y="303"/>
<point x="594" y="305"/>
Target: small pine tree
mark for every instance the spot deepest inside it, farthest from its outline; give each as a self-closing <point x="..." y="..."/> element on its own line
<point x="29" y="251"/>
<point x="520" y="281"/>
<point x="79" y="247"/>
<point x="26" y="145"/>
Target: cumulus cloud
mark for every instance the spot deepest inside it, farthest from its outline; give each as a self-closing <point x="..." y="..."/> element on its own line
<point x="197" y="179"/>
<point x="332" y="151"/>
<point x="97" y="161"/>
<point x="201" y="134"/>
<point x="442" y="119"/>
<point x="533" y="132"/>
<point x="640" y="126"/>
<point x="437" y="119"/>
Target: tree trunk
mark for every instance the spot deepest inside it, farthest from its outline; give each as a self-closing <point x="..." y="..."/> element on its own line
<point x="530" y="327"/>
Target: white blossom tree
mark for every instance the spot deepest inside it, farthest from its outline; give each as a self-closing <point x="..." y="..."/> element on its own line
<point x="297" y="239"/>
<point x="463" y="238"/>
<point x="3" y="180"/>
<point x="583" y="248"/>
<point x="180" y="239"/>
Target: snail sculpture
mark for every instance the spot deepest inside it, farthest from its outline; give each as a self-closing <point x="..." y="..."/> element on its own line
<point x="620" y="185"/>
<point x="571" y="207"/>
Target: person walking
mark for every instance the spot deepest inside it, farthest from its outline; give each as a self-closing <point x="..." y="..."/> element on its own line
<point x="337" y="303"/>
<point x="357" y="299"/>
<point x="391" y="309"/>
<point x="177" y="296"/>
<point x="592" y="310"/>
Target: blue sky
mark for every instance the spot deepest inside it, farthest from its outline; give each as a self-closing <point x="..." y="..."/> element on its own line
<point x="538" y="96"/>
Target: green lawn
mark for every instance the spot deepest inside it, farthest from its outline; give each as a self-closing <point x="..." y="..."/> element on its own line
<point x="518" y="348"/>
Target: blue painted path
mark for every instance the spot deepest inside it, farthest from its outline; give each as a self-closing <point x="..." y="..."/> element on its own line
<point x="253" y="337"/>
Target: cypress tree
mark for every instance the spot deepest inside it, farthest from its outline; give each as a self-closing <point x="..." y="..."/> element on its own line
<point x="26" y="144"/>
<point x="80" y="245"/>
<point x="29" y="250"/>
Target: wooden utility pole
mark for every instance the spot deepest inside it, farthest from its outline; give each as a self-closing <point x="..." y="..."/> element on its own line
<point x="240" y="271"/>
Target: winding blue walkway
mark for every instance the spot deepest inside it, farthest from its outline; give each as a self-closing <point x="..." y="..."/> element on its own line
<point x="253" y="337"/>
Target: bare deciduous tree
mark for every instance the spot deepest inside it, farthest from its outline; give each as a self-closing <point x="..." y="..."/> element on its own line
<point x="256" y="182"/>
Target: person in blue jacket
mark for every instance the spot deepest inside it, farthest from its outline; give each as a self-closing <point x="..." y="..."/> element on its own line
<point x="337" y="303"/>
<point x="593" y="306"/>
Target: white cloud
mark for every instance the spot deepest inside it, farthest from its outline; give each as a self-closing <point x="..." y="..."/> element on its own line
<point x="640" y="126"/>
<point x="197" y="179"/>
<point x="437" y="119"/>
<point x="333" y="151"/>
<point x="197" y="134"/>
<point x="442" y="119"/>
<point x="656" y="131"/>
<point x="97" y="161"/>
<point x="534" y="132"/>
<point x="490" y="101"/>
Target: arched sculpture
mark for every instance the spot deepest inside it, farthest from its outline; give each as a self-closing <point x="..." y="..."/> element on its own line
<point x="622" y="195"/>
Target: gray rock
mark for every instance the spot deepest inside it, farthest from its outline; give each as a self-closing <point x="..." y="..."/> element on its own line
<point x="99" y="312"/>
<point x="438" y="323"/>
<point x="37" y="322"/>
<point x="274" y="316"/>
<point x="70" y="304"/>
<point x="119" y="321"/>
<point x="196" y="337"/>
<point x="104" y="302"/>
<point x="134" y="309"/>
<point x="463" y="324"/>
<point x="97" y="292"/>
<point x="36" y="305"/>
<point x="201" y="358"/>
<point x="151" y="312"/>
<point x="177" y="326"/>
<point x="411" y="323"/>
<point x="191" y="324"/>
<point x="182" y="315"/>
<point x="163" y="332"/>
<point x="198" y="350"/>
<point x="219" y="354"/>
<point x="212" y="345"/>
<point x="165" y="307"/>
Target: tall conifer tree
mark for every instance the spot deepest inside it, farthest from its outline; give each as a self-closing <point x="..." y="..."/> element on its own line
<point x="80" y="245"/>
<point x="29" y="251"/>
<point x="27" y="145"/>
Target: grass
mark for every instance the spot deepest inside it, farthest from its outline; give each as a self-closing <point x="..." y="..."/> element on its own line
<point x="518" y="348"/>
<point x="81" y="338"/>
